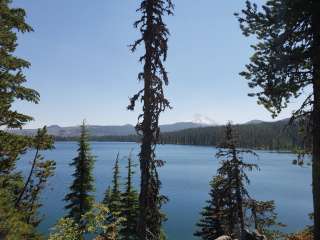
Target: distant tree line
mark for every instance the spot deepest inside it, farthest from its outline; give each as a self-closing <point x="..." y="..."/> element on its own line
<point x="271" y="136"/>
<point x="267" y="135"/>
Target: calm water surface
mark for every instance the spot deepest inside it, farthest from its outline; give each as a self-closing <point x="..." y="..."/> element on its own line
<point x="185" y="179"/>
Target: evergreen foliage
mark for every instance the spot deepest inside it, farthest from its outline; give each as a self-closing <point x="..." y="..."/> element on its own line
<point x="114" y="202"/>
<point x="154" y="36"/>
<point x="130" y="206"/>
<point x="19" y="197"/>
<point x="107" y="196"/>
<point x="233" y="170"/>
<point x="11" y="67"/>
<point x="28" y="199"/>
<point x="262" y="216"/>
<point x="210" y="225"/>
<point x="226" y="212"/>
<point x="113" y="198"/>
<point x="286" y="65"/>
<point x="96" y="223"/>
<point x="80" y="198"/>
<point x="269" y="136"/>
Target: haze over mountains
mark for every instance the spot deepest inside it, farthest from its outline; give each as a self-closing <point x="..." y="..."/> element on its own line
<point x="115" y="130"/>
<point x="121" y="130"/>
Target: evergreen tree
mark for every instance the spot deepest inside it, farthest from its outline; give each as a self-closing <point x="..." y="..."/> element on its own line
<point x="227" y="209"/>
<point x="114" y="202"/>
<point x="11" y="67"/>
<point x="210" y="225"/>
<point x="233" y="169"/>
<point x="80" y="198"/>
<point x="286" y="65"/>
<point x="154" y="37"/>
<point x="130" y="206"/>
<point x="19" y="199"/>
<point x="112" y="199"/>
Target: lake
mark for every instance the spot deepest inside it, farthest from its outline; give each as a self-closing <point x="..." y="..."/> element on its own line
<point x="185" y="179"/>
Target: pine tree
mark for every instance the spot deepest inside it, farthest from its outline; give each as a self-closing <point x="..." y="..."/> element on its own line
<point x="154" y="37"/>
<point x="233" y="169"/>
<point x="11" y="67"/>
<point x="114" y="202"/>
<point x="130" y="206"/>
<point x="112" y="199"/>
<point x="286" y="65"/>
<point x="16" y="221"/>
<point x="211" y="223"/>
<point x="80" y="198"/>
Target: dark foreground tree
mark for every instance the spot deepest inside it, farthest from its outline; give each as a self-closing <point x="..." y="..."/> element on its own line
<point x="154" y="76"/>
<point x="231" y="210"/>
<point x="233" y="170"/>
<point x="211" y="223"/>
<point x="19" y="198"/>
<point x="130" y="206"/>
<point x="286" y="65"/>
<point x="80" y="198"/>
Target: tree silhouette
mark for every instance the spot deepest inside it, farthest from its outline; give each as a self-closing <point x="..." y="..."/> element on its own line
<point x="19" y="198"/>
<point x="211" y="224"/>
<point x="286" y="65"/>
<point x="154" y="37"/>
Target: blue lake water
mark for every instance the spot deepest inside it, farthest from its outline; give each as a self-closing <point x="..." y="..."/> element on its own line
<point x="185" y="179"/>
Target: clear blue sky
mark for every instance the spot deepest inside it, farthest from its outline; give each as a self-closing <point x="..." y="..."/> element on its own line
<point x="82" y="67"/>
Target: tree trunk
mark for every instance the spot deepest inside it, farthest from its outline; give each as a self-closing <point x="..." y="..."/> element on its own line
<point x="28" y="179"/>
<point x="239" y="197"/>
<point x="316" y="118"/>
<point x="146" y="146"/>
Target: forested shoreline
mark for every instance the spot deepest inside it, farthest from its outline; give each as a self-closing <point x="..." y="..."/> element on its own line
<point x="265" y="136"/>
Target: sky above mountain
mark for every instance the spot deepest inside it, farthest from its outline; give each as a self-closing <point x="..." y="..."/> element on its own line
<point x="83" y="69"/>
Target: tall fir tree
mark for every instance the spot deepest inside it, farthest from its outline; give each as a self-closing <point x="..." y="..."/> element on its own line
<point x="211" y="223"/>
<point x="286" y="65"/>
<point x="114" y="202"/>
<point x="17" y="221"/>
<point x="233" y="169"/>
<point x="154" y="37"/>
<point x="112" y="199"/>
<point x="80" y="198"/>
<point x="130" y="206"/>
<point x="230" y="209"/>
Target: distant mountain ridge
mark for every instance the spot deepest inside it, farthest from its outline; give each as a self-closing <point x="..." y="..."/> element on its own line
<point x="255" y="121"/>
<point x="111" y="130"/>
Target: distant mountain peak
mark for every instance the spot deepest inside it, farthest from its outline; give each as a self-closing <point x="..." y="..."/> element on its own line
<point x="203" y="120"/>
<point x="54" y="126"/>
